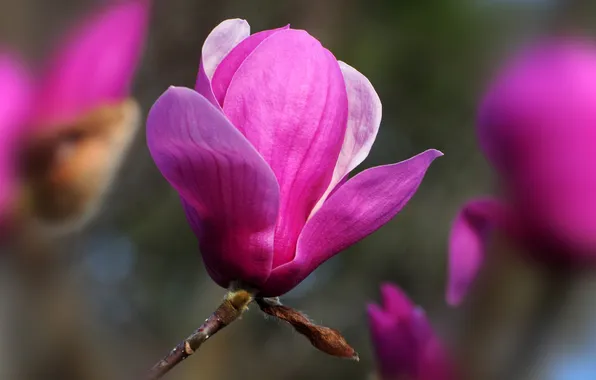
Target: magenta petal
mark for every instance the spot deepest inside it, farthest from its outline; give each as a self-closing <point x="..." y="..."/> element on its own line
<point x="380" y="319"/>
<point x="15" y="94"/>
<point x="289" y="99"/>
<point x="96" y="63"/>
<point x="230" y="64"/>
<point x="337" y="187"/>
<point x="364" y="119"/>
<point x="432" y="360"/>
<point x="357" y="209"/>
<point x="395" y="301"/>
<point x="435" y="364"/>
<point x="393" y="344"/>
<point x="222" y="39"/>
<point x="404" y="342"/>
<point x="467" y="243"/>
<point x="230" y="194"/>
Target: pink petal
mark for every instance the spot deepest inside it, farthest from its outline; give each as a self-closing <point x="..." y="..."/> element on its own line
<point x="230" y="64"/>
<point x="289" y="99"/>
<point x="222" y="39"/>
<point x="395" y="346"/>
<point x="96" y="63"/>
<point x="337" y="187"/>
<point x="404" y="341"/>
<point x="360" y="207"/>
<point x="15" y="94"/>
<point x="230" y="194"/>
<point x="421" y="327"/>
<point x="395" y="301"/>
<point x="364" y="119"/>
<point x="435" y="364"/>
<point x="467" y="243"/>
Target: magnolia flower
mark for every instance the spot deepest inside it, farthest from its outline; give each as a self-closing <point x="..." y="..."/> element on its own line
<point x="260" y="154"/>
<point x="537" y="126"/>
<point x="15" y="94"/>
<point x="404" y="343"/>
<point x="83" y="118"/>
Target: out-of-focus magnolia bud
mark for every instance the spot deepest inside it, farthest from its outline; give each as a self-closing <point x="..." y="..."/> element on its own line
<point x="405" y="345"/>
<point x="69" y="168"/>
<point x="537" y="125"/>
<point x="84" y="119"/>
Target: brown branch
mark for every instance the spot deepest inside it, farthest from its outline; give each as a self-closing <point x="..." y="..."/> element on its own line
<point x="323" y="338"/>
<point x="232" y="307"/>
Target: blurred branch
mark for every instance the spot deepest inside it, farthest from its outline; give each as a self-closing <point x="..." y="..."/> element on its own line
<point x="515" y="305"/>
<point x="557" y="285"/>
<point x="232" y="308"/>
<point x="498" y="311"/>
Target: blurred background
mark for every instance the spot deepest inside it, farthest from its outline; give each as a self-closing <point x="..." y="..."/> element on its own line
<point x="108" y="301"/>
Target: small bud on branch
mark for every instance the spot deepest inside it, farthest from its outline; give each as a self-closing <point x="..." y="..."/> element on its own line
<point x="323" y="338"/>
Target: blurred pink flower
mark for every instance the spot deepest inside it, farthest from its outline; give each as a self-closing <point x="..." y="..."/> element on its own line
<point x="83" y="118"/>
<point x="94" y="64"/>
<point x="71" y="123"/>
<point x="275" y="124"/>
<point x="15" y="96"/>
<point x="404" y="343"/>
<point x="537" y="126"/>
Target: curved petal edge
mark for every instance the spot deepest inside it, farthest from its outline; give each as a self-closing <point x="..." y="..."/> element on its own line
<point x="467" y="244"/>
<point x="229" y="193"/>
<point x="357" y="209"/>
<point x="96" y="62"/>
<point x="364" y="119"/>
<point x="289" y="99"/>
<point x="219" y="43"/>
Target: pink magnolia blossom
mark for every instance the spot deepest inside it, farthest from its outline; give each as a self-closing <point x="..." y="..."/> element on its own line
<point x="537" y="126"/>
<point x="260" y="150"/>
<point x="15" y="94"/>
<point x="403" y="340"/>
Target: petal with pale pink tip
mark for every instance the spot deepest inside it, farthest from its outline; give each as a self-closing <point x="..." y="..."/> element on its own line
<point x="95" y="64"/>
<point x="230" y="64"/>
<point x="364" y="119"/>
<point x="219" y="43"/>
<point x="289" y="99"/>
<point x="357" y="209"/>
<point x="230" y="194"/>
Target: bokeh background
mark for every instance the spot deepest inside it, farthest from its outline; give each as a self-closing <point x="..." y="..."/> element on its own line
<point x="107" y="302"/>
